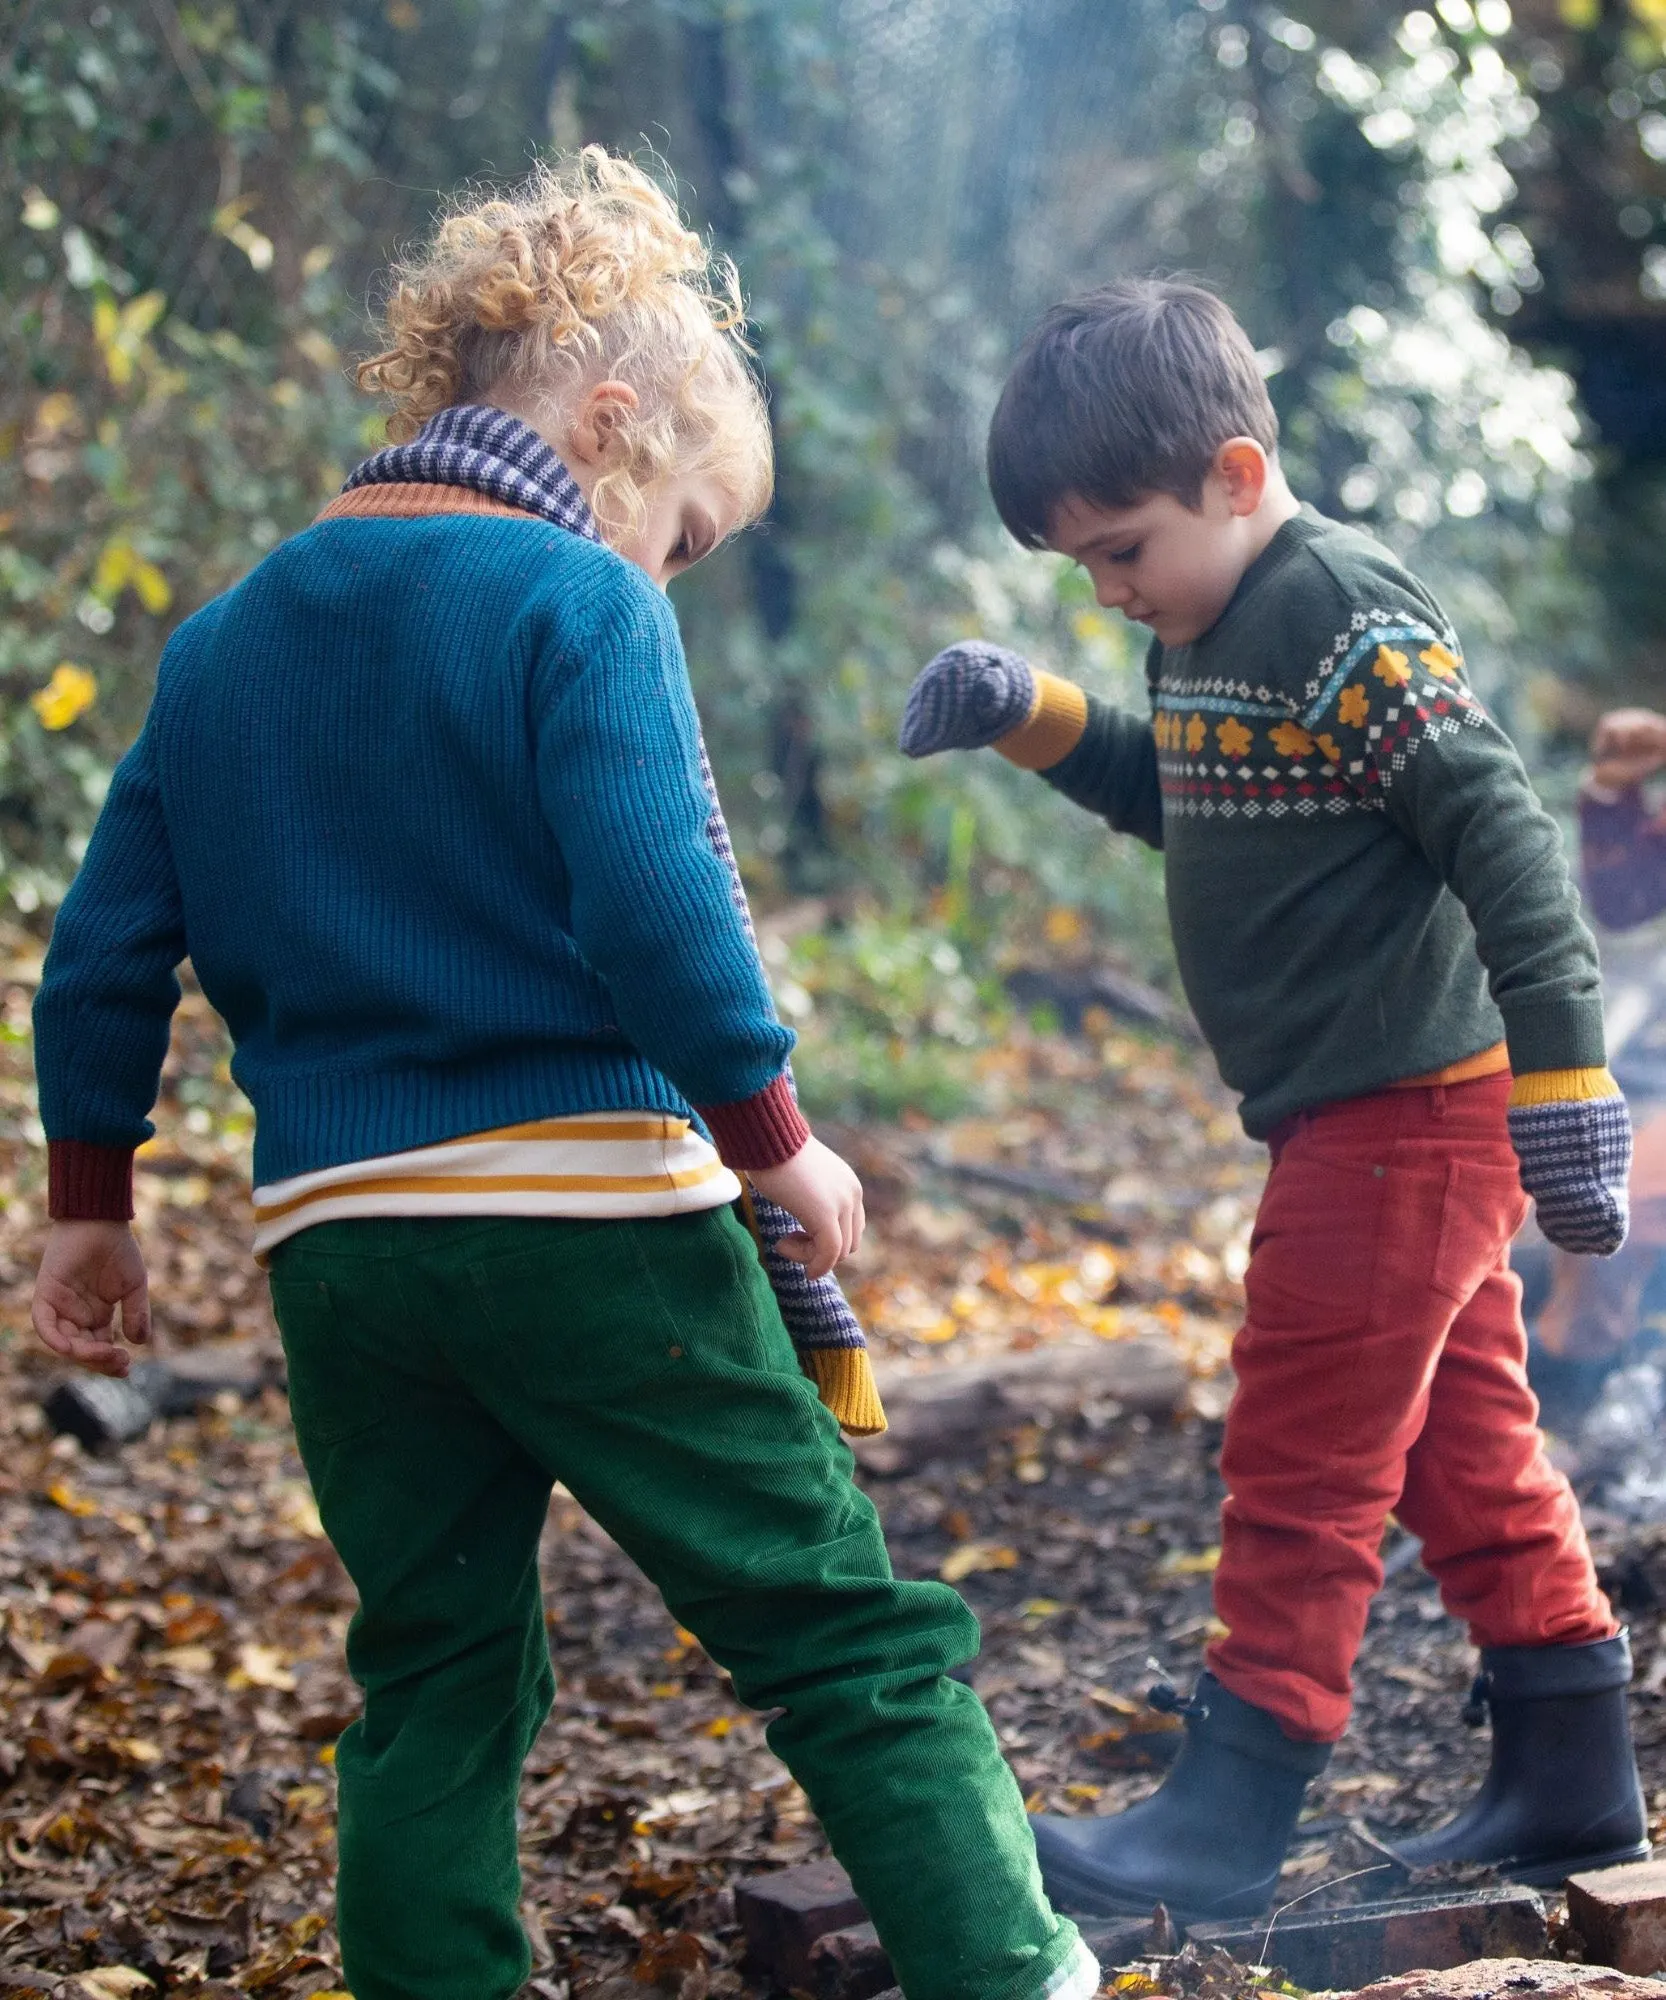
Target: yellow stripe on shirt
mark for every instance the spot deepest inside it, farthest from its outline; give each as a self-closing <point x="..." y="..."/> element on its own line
<point x="597" y="1165"/>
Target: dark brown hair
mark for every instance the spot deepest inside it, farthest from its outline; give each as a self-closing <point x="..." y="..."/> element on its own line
<point x="1126" y="391"/>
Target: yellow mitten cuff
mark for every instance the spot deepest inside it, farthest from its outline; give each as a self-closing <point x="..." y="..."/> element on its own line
<point x="844" y="1381"/>
<point x="1562" y="1086"/>
<point x="1051" y="730"/>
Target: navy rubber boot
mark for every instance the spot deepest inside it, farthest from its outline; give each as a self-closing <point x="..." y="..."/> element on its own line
<point x="1562" y="1792"/>
<point x="1210" y="1841"/>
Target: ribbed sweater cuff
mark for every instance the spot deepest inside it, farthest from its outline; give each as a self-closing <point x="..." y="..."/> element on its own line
<point x="1556" y="1034"/>
<point x="86" y="1183"/>
<point x="760" y="1131"/>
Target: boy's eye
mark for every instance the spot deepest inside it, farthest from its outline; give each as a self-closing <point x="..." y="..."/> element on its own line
<point x="1127" y="555"/>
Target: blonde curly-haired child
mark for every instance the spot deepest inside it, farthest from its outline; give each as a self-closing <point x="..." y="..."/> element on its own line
<point x="424" y="800"/>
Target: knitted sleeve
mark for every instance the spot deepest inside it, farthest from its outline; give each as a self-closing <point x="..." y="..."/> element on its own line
<point x="106" y="997"/>
<point x="1100" y="757"/>
<point x="1389" y="715"/>
<point x="1623" y="856"/>
<point x="653" y="909"/>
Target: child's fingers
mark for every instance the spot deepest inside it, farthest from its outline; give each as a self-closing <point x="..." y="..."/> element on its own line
<point x="135" y="1312"/>
<point x="818" y="1252"/>
<point x="87" y="1350"/>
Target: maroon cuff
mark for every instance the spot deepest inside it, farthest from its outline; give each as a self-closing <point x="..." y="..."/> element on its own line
<point x="760" y="1131"/>
<point x="87" y="1183"/>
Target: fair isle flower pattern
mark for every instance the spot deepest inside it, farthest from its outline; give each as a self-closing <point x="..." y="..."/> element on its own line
<point x="1388" y="684"/>
<point x="1576" y="1163"/>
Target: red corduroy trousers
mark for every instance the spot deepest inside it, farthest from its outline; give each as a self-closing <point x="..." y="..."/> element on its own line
<point x="1382" y="1369"/>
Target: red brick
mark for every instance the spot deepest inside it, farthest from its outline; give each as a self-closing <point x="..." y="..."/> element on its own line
<point x="1340" y="1949"/>
<point x="849" y="1964"/>
<point x="782" y="1915"/>
<point x="1517" y="1979"/>
<point x="1621" y="1915"/>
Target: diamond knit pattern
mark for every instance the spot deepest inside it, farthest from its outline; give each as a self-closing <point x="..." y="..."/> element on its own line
<point x="971" y="695"/>
<point x="1575" y="1163"/>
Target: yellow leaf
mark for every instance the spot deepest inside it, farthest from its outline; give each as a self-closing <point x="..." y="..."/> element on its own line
<point x="191" y="1661"/>
<point x="261" y="1666"/>
<point x="327" y="1755"/>
<point x="154" y="591"/>
<point x="1204" y="1563"/>
<point x="318" y="349"/>
<point x="1580" y="13"/>
<point x="40" y="211"/>
<point x="1062" y="925"/>
<point x="1039" y="1607"/>
<point x="1083" y="1791"/>
<point x="62" y="1494"/>
<point x="55" y="413"/>
<point x="114" y="567"/>
<point x="305" y="1798"/>
<point x="973" y="1556"/>
<point x="719" y="1726"/>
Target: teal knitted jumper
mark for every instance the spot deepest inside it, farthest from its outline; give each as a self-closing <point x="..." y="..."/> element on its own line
<point x="421" y="799"/>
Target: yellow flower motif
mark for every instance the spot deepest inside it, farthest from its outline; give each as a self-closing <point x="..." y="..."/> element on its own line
<point x="1442" y="664"/>
<point x="1354" y="706"/>
<point x="1291" y="740"/>
<point x="70" y="692"/>
<point x="1392" y="667"/>
<point x="1234" y="738"/>
<point x="1160" y="729"/>
<point x="1331" y="749"/>
<point x="1197" y="734"/>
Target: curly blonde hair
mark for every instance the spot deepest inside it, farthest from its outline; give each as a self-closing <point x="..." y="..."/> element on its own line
<point x="585" y="272"/>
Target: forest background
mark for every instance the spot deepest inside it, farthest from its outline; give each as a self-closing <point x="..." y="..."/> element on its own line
<point x="1446" y="230"/>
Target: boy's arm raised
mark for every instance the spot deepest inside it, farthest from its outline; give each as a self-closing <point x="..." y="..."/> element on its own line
<point x="1397" y="719"/>
<point x="975" y="695"/>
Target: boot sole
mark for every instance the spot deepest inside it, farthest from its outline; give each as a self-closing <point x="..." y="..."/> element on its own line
<point x="1552" y="1874"/>
<point x="1078" y="1893"/>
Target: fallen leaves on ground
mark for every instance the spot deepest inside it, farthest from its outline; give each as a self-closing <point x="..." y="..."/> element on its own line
<point x="171" y="1620"/>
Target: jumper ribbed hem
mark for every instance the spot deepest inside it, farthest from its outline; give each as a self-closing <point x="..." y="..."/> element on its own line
<point x="764" y="1130"/>
<point x="87" y="1183"/>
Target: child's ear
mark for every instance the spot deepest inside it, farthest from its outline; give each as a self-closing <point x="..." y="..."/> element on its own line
<point x="600" y="419"/>
<point x="1241" y="467"/>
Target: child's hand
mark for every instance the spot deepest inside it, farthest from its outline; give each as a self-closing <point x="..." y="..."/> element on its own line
<point x="824" y="1196"/>
<point x="1575" y="1157"/>
<point x="88" y="1269"/>
<point x="1627" y="747"/>
<point x="972" y="694"/>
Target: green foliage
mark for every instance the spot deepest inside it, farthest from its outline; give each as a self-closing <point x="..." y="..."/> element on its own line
<point x="891" y="1017"/>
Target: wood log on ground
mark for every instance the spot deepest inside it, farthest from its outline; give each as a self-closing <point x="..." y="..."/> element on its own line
<point x="946" y="1411"/>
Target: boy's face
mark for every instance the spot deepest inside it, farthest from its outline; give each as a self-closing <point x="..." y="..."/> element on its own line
<point x="1160" y="562"/>
<point x="688" y="515"/>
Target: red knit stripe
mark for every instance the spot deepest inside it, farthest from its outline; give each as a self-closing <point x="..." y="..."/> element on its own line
<point x="86" y="1183"/>
<point x="760" y="1131"/>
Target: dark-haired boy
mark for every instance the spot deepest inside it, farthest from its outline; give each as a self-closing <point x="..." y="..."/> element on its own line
<point x="1375" y="927"/>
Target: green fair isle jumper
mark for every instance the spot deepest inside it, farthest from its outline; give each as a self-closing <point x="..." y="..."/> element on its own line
<point x="1361" y="883"/>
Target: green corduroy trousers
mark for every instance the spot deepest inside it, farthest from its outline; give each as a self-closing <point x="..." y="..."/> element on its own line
<point x="443" y="1374"/>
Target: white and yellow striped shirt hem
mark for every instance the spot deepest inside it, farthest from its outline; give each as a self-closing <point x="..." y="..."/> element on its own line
<point x="602" y="1165"/>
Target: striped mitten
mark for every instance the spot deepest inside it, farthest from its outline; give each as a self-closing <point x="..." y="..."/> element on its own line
<point x="971" y="694"/>
<point x="1572" y="1135"/>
